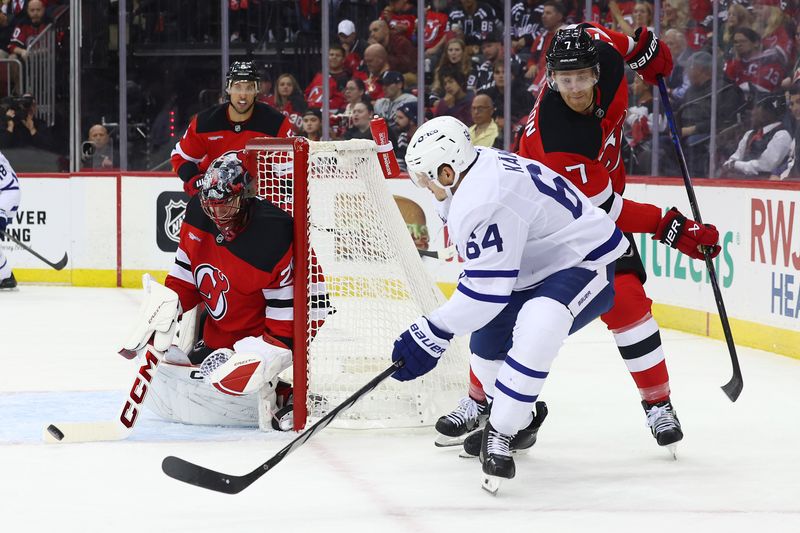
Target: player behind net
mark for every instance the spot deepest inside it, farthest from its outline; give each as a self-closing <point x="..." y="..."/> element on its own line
<point x="235" y="260"/>
<point x="539" y="264"/>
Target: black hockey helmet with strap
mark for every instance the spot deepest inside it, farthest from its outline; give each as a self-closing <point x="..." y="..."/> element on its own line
<point x="242" y="71"/>
<point x="572" y="49"/>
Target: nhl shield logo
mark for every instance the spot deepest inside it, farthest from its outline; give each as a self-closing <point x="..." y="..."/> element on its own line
<point x="175" y="213"/>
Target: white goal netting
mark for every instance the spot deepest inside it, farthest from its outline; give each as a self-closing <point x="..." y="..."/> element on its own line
<point x="364" y="277"/>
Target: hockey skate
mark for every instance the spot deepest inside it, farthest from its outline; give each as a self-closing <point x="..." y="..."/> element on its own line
<point x="522" y="441"/>
<point x="468" y="416"/>
<point x="664" y="424"/>
<point x="9" y="283"/>
<point x="496" y="459"/>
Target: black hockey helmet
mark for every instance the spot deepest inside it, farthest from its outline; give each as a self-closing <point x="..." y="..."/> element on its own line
<point x="225" y="194"/>
<point x="571" y="49"/>
<point x="242" y="71"/>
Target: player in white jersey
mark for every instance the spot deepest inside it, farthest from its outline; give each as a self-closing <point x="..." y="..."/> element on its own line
<point x="9" y="202"/>
<point x="539" y="258"/>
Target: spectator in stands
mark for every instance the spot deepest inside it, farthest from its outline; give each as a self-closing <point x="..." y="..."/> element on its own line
<point x="288" y="99"/>
<point x="353" y="46"/>
<point x="454" y="58"/>
<point x="674" y="15"/>
<point x="771" y="24"/>
<point x="678" y="81"/>
<point x="98" y="150"/>
<point x="553" y="17"/>
<point x="484" y="130"/>
<point x="405" y="125"/>
<point x="362" y="114"/>
<point x="377" y="62"/>
<point x="738" y="17"/>
<point x="456" y="101"/>
<point x="264" y="86"/>
<point x="492" y="49"/>
<point x="694" y="115"/>
<point x="641" y="15"/>
<point x="521" y="99"/>
<point x="751" y="68"/>
<point x="354" y="92"/>
<point x="401" y="54"/>
<point x="6" y="31"/>
<point x="526" y="24"/>
<point x="394" y="97"/>
<point x="793" y="167"/>
<point x="476" y="19"/>
<point x="23" y="127"/>
<point x="28" y="29"/>
<point x="639" y="124"/>
<point x="312" y="124"/>
<point x="401" y="16"/>
<point x="336" y="82"/>
<point x="436" y="33"/>
<point x="764" y="150"/>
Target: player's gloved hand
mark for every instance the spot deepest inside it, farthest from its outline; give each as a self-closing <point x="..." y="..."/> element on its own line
<point x="193" y="185"/>
<point x="420" y="348"/>
<point x="649" y="58"/>
<point x="687" y="235"/>
<point x="3" y="221"/>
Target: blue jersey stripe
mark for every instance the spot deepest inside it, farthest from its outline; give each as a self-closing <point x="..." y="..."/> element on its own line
<point x="514" y="394"/>
<point x="491" y="273"/>
<point x="606" y="247"/>
<point x="492" y="298"/>
<point x="519" y="367"/>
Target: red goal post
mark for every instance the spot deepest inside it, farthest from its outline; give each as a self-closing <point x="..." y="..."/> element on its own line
<point x="359" y="282"/>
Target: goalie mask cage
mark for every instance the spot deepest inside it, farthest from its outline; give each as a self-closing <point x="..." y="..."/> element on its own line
<point x="358" y="283"/>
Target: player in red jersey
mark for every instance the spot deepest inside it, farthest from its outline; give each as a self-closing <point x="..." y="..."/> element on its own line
<point x="226" y="127"/>
<point x="576" y="129"/>
<point x="234" y="260"/>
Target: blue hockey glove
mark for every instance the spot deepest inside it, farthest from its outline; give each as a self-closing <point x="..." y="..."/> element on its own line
<point x="420" y="348"/>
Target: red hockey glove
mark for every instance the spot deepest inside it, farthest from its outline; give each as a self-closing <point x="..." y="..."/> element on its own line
<point x="649" y="58"/>
<point x="687" y="235"/>
<point x="193" y="185"/>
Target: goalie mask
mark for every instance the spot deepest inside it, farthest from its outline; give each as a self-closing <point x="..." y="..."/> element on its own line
<point x="225" y="195"/>
<point x="572" y="49"/>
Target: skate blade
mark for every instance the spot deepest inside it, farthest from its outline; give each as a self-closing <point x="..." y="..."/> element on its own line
<point x="443" y="441"/>
<point x="491" y="484"/>
<point x="673" y="450"/>
<point x="464" y="455"/>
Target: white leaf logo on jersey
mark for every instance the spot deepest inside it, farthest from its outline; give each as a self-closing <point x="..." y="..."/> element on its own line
<point x="212" y="285"/>
<point x="176" y="211"/>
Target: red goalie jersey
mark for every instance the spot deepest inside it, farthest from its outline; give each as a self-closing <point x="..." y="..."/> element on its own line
<point x="586" y="148"/>
<point x="246" y="284"/>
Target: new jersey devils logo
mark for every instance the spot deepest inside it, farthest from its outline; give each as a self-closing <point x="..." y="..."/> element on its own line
<point x="212" y="286"/>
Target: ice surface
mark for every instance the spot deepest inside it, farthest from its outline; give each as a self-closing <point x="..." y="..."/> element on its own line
<point x="595" y="468"/>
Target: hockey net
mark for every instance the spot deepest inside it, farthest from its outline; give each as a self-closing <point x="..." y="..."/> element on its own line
<point x="359" y="283"/>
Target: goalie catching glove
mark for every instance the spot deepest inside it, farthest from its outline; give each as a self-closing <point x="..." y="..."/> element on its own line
<point x="420" y="348"/>
<point x="686" y="235"/>
<point x="157" y="319"/>
<point x="253" y="363"/>
<point x="649" y="58"/>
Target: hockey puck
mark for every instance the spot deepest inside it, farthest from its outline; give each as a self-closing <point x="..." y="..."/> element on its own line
<point x="55" y="432"/>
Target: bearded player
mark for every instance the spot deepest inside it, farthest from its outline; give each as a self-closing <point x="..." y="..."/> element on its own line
<point x="226" y="127"/>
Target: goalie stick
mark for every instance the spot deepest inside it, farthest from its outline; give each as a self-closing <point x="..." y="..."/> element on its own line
<point x="734" y="387"/>
<point x="110" y="430"/>
<point x="58" y="265"/>
<point x="206" y="478"/>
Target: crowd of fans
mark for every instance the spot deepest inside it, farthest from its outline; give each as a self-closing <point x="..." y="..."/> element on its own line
<point x="373" y="70"/>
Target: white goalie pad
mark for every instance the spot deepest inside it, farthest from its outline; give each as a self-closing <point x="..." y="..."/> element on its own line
<point x="157" y="318"/>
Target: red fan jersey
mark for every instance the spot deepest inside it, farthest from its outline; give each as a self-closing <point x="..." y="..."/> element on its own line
<point x="247" y="284"/>
<point x="764" y="71"/>
<point x="211" y="133"/>
<point x="586" y="149"/>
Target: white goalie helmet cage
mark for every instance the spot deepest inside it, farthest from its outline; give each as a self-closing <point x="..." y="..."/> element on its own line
<point x="440" y="141"/>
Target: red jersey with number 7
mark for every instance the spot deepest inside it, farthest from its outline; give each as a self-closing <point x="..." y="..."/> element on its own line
<point x="587" y="148"/>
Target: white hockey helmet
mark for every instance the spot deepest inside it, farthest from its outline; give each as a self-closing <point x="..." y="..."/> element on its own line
<point x="440" y="141"/>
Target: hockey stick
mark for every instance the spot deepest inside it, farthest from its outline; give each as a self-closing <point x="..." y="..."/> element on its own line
<point x="734" y="387"/>
<point x="193" y="474"/>
<point x="58" y="266"/>
<point x="109" y="430"/>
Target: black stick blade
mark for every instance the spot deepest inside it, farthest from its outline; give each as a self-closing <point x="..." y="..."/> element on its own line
<point x="61" y="264"/>
<point x="733" y="388"/>
<point x="193" y="474"/>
